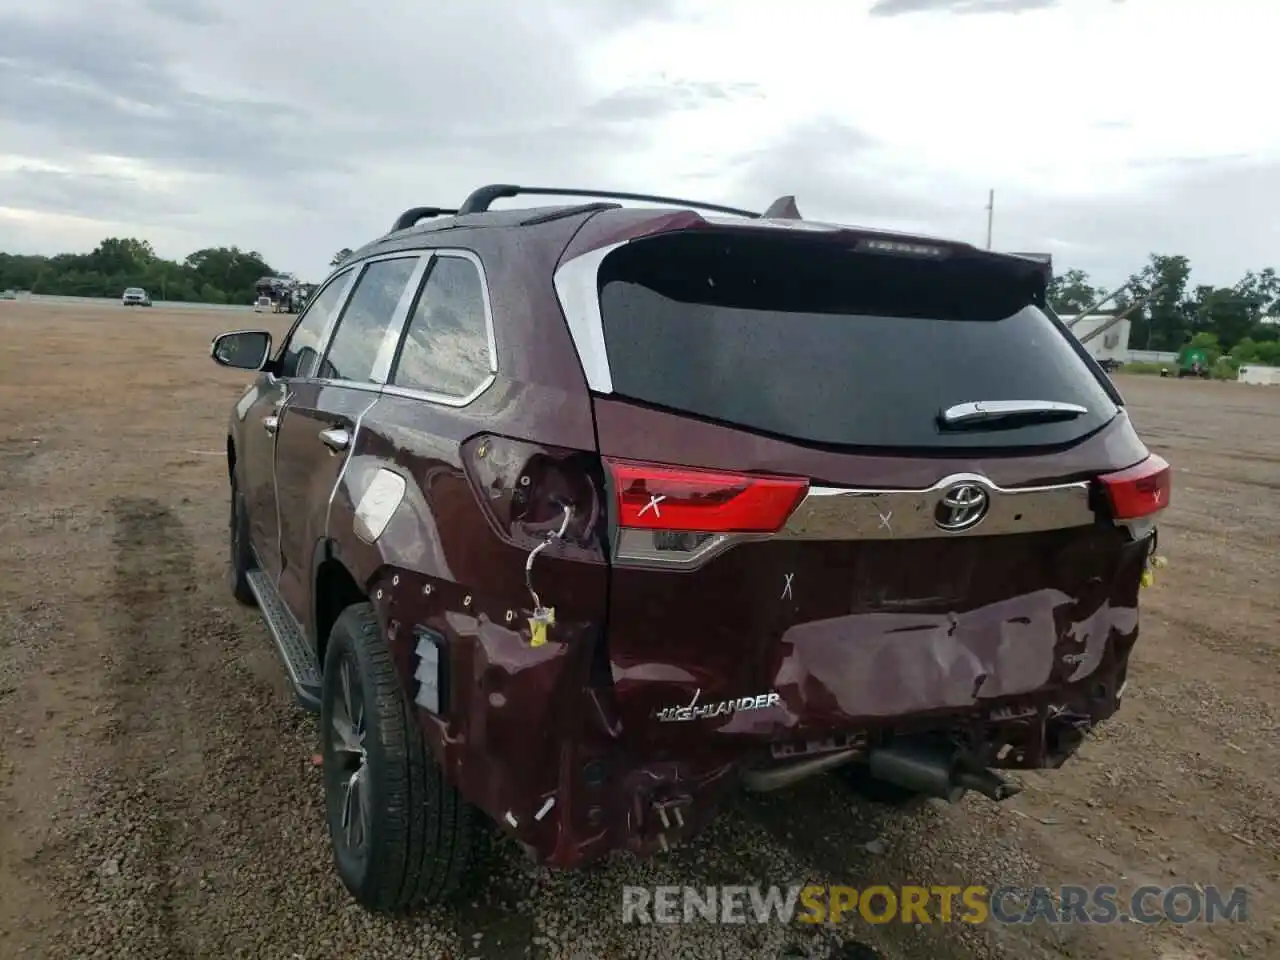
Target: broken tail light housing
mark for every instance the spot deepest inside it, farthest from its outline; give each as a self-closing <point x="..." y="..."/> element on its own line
<point x="678" y="516"/>
<point x="1137" y="494"/>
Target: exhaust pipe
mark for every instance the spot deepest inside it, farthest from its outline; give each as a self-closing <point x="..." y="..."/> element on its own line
<point x="936" y="771"/>
<point x="775" y="778"/>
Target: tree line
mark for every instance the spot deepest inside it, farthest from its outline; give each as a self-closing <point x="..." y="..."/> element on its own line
<point x="212" y="275"/>
<point x="1226" y="322"/>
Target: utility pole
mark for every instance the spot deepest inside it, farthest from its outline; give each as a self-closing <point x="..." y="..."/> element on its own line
<point x="991" y="210"/>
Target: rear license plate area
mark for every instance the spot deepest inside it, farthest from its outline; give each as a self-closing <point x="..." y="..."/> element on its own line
<point x="922" y="573"/>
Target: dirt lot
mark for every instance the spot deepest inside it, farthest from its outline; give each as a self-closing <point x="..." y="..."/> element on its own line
<point x="157" y="796"/>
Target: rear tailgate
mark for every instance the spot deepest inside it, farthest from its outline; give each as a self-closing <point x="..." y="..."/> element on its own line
<point x="848" y="558"/>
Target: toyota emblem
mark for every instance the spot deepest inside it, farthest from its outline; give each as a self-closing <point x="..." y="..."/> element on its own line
<point x="961" y="507"/>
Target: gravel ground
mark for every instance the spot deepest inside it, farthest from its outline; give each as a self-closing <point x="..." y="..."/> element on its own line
<point x="158" y="799"/>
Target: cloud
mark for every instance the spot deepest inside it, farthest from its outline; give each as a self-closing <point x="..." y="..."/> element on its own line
<point x="110" y="92"/>
<point x="186" y="11"/>
<point x="897" y="8"/>
<point x="658" y="99"/>
<point x="342" y="117"/>
<point x="1110" y="236"/>
<point x="193" y="123"/>
<point x="101" y="196"/>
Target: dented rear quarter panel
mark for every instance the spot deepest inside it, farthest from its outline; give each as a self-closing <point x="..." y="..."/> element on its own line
<point x="451" y="561"/>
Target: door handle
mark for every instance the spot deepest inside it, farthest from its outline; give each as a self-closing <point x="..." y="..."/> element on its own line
<point x="271" y="424"/>
<point x="336" y="438"/>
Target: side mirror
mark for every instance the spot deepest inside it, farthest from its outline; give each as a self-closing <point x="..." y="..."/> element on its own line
<point x="242" y="349"/>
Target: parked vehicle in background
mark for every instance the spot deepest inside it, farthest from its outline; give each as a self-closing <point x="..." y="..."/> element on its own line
<point x="8" y="294"/>
<point x="1193" y="362"/>
<point x="570" y="520"/>
<point x="135" y="297"/>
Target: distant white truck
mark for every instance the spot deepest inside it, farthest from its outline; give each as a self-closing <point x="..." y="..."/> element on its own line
<point x="1259" y="373"/>
<point x="1110" y="347"/>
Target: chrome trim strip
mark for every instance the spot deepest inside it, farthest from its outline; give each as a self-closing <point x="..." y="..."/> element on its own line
<point x="391" y="337"/>
<point x="345" y="384"/>
<point x="843" y="514"/>
<point x="443" y="399"/>
<point x="578" y="289"/>
<point x="837" y="513"/>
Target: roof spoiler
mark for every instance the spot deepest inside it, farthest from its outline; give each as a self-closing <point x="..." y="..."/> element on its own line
<point x="1045" y="259"/>
<point x="784" y="208"/>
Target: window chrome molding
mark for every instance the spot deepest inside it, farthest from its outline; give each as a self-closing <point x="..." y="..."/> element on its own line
<point x="335" y="321"/>
<point x="391" y="337"/>
<point x="399" y="325"/>
<point x="447" y="399"/>
<point x="346" y="384"/>
<point x="577" y="284"/>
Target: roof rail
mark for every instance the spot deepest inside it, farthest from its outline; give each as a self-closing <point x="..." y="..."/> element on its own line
<point x="415" y="214"/>
<point x="482" y="197"/>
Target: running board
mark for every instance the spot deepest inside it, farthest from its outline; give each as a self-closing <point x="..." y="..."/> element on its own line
<point x="291" y="644"/>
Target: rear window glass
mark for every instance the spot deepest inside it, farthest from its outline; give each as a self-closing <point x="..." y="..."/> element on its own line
<point x="810" y="340"/>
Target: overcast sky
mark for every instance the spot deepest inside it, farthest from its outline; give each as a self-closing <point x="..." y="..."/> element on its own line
<point x="1108" y="128"/>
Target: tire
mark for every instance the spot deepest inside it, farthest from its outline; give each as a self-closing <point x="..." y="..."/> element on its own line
<point x="418" y="841"/>
<point x="240" y="561"/>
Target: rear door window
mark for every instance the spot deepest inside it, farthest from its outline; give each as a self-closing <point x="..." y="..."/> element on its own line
<point x="809" y="340"/>
<point x="364" y="324"/>
<point x="446" y="348"/>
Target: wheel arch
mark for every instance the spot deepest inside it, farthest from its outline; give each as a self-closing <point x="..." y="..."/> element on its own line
<point x="334" y="588"/>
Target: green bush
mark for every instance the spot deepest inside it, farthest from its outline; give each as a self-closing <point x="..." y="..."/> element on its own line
<point x="1225" y="368"/>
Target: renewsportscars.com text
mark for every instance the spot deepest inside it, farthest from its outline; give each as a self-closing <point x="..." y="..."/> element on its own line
<point x="813" y="903"/>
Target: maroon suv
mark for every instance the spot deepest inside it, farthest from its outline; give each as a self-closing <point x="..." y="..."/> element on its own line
<point x="574" y="519"/>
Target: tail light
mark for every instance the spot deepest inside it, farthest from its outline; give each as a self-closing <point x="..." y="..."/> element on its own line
<point x="678" y="515"/>
<point x="1138" y="493"/>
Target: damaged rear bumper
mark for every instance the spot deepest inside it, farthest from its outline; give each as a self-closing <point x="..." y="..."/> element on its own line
<point x="610" y="801"/>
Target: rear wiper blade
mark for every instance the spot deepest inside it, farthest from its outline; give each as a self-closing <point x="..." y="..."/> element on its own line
<point x="995" y="411"/>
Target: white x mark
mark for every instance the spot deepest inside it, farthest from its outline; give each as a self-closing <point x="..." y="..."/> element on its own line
<point x="1159" y="495"/>
<point x="652" y="505"/>
<point x="786" y="589"/>
<point x="884" y="520"/>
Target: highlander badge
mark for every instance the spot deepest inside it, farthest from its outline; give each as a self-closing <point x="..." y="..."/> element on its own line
<point x="695" y="712"/>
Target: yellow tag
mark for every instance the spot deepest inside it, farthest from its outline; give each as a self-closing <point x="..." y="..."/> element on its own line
<point x="1148" y="578"/>
<point x="537" y="633"/>
<point x="538" y="623"/>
